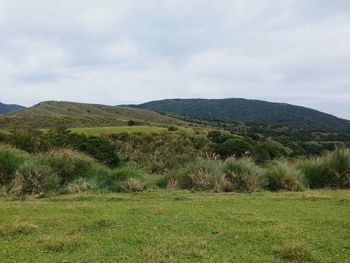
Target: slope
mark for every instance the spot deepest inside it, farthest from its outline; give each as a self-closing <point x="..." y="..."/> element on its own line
<point x="251" y="111"/>
<point x="70" y="114"/>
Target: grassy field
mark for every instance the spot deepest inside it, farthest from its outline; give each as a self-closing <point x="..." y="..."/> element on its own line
<point x="98" y="131"/>
<point x="312" y="226"/>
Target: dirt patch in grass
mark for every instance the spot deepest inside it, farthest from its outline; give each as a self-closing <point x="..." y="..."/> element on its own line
<point x="294" y="253"/>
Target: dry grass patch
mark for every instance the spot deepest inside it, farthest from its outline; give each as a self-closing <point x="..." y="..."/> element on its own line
<point x="60" y="243"/>
<point x="294" y="253"/>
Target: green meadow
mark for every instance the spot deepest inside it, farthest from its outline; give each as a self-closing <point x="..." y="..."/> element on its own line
<point x="99" y="131"/>
<point x="177" y="226"/>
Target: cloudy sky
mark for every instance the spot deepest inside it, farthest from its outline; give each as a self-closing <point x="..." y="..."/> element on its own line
<point x="131" y="51"/>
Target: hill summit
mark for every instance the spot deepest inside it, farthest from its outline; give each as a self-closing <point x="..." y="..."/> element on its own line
<point x="250" y="111"/>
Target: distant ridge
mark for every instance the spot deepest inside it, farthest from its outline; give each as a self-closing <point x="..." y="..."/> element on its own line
<point x="6" y="108"/>
<point x="51" y="114"/>
<point x="250" y="111"/>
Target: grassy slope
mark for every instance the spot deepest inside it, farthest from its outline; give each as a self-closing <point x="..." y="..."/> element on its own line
<point x="98" y="131"/>
<point x="69" y="114"/>
<point x="177" y="227"/>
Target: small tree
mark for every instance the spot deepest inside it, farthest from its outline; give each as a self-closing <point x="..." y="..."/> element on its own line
<point x="131" y="123"/>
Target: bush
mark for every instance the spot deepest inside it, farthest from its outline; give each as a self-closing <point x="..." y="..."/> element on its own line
<point x="331" y="170"/>
<point x="69" y="165"/>
<point x="159" y="153"/>
<point x="237" y="147"/>
<point x="199" y="175"/>
<point x="99" y="148"/>
<point x="242" y="175"/>
<point x="283" y="176"/>
<point x="270" y="150"/>
<point x="10" y="160"/>
<point x="33" y="178"/>
<point x="81" y="185"/>
<point x="172" y="128"/>
<point x="315" y="173"/>
<point x="125" y="179"/>
<point x="337" y="164"/>
<point x="34" y="141"/>
<point x="131" y="123"/>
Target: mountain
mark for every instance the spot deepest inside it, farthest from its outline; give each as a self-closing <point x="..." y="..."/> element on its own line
<point x="249" y="111"/>
<point x="52" y="114"/>
<point x="5" y="108"/>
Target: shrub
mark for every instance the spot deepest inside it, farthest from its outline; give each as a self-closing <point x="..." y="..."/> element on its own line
<point x="270" y="150"/>
<point x="331" y="170"/>
<point x="242" y="175"/>
<point x="81" y="185"/>
<point x="337" y="164"/>
<point x="200" y="175"/>
<point x="33" y="178"/>
<point x="172" y="128"/>
<point x="159" y="153"/>
<point x="10" y="160"/>
<point x="283" y="176"/>
<point x="131" y="123"/>
<point x="69" y="165"/>
<point x="124" y="179"/>
<point x="232" y="147"/>
<point x="99" y="148"/>
<point x="35" y="141"/>
<point x="315" y="173"/>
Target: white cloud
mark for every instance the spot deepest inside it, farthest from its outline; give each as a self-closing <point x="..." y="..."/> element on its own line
<point x="132" y="51"/>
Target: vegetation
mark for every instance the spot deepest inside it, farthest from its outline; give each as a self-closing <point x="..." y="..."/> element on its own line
<point x="53" y="114"/>
<point x="331" y="170"/>
<point x="64" y="170"/>
<point x="177" y="226"/>
<point x="242" y="175"/>
<point x="105" y="131"/>
<point x="249" y="111"/>
<point x="284" y="176"/>
<point x="157" y="153"/>
<point x="6" y="108"/>
<point x="186" y="177"/>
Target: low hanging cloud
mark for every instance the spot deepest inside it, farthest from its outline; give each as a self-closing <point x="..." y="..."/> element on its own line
<point x="118" y="52"/>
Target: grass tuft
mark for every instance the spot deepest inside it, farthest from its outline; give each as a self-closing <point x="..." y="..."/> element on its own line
<point x="284" y="176"/>
<point x="294" y="253"/>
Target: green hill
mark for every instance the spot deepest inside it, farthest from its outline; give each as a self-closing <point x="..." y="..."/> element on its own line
<point x="249" y="111"/>
<point x="6" y="108"/>
<point x="70" y="114"/>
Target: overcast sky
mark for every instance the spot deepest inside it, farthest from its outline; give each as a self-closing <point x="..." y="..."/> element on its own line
<point x="132" y="51"/>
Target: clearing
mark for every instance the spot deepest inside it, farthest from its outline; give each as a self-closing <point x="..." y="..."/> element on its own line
<point x="179" y="226"/>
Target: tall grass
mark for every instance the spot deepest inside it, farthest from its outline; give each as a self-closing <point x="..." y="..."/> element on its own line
<point x="199" y="175"/>
<point x="10" y="160"/>
<point x="68" y="171"/>
<point x="31" y="178"/>
<point x="282" y="175"/>
<point x="330" y="170"/>
<point x="124" y="179"/>
<point x="68" y="164"/>
<point x="242" y="175"/>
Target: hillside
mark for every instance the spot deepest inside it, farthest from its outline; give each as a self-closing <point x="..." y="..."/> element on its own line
<point x="70" y="114"/>
<point x="251" y="111"/>
<point x="6" y="108"/>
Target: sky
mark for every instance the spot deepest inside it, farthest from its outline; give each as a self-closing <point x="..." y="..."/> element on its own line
<point x="132" y="51"/>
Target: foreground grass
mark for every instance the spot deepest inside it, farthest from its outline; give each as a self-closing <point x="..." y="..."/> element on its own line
<point x="312" y="226"/>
